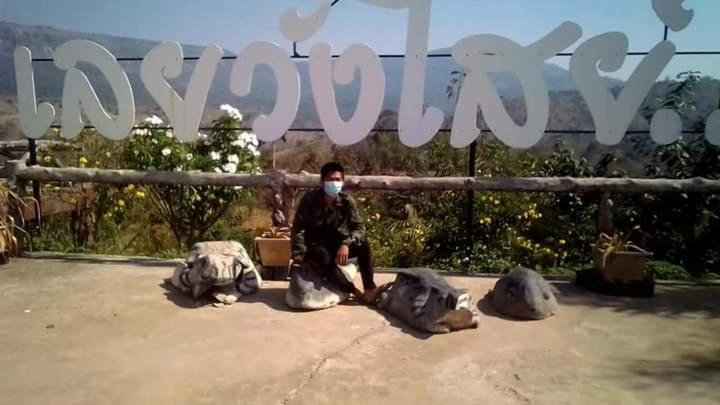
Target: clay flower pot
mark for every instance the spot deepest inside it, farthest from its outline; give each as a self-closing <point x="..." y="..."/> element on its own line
<point x="273" y="249"/>
<point x="618" y="260"/>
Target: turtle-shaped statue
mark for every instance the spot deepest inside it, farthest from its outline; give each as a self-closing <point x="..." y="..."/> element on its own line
<point x="223" y="268"/>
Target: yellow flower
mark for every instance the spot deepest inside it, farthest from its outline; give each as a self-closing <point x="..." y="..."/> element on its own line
<point x="482" y="198"/>
<point x="562" y="242"/>
<point x="496" y="202"/>
<point x="120" y="203"/>
<point x="47" y="159"/>
<point x="131" y="187"/>
<point x="83" y="160"/>
<point x="140" y="194"/>
<point x="547" y="250"/>
<point x="539" y="215"/>
<point x="488" y="220"/>
<point x="537" y="245"/>
<point x="108" y="155"/>
<point x="377" y="216"/>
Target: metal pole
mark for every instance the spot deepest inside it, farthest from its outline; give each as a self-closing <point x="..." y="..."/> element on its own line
<point x="470" y="198"/>
<point x="32" y="147"/>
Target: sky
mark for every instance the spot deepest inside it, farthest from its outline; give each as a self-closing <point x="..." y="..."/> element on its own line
<point x="234" y="23"/>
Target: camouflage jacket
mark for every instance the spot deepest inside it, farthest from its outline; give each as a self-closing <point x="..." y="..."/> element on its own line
<point x="316" y="223"/>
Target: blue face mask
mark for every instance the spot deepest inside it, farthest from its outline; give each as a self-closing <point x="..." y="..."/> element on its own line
<point x="333" y="188"/>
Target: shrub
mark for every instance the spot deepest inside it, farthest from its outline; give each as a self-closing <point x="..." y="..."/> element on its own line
<point x="191" y="211"/>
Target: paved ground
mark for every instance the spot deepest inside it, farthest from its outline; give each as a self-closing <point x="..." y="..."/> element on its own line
<point x="108" y="333"/>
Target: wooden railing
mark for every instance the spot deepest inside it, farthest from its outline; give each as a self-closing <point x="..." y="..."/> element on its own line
<point x="281" y="183"/>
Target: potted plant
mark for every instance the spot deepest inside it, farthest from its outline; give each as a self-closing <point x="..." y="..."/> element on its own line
<point x="8" y="242"/>
<point x="618" y="259"/>
<point x="273" y="249"/>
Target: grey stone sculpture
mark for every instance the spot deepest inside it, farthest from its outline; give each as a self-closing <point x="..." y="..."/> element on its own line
<point x="427" y="302"/>
<point x="523" y="294"/>
<point x="309" y="290"/>
<point x="224" y="268"/>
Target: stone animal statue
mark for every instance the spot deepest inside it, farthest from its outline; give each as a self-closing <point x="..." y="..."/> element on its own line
<point x="308" y="289"/>
<point x="427" y="302"/>
<point x="523" y="294"/>
<point x="224" y="268"/>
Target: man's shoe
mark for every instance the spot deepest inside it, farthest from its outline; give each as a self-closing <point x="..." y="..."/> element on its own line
<point x="370" y="296"/>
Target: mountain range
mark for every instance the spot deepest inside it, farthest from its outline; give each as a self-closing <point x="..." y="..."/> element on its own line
<point x="568" y="109"/>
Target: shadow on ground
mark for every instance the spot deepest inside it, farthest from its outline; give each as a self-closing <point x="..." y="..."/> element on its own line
<point x="175" y="296"/>
<point x="274" y="298"/>
<point x="689" y="368"/>
<point x="670" y="300"/>
<point x="403" y="327"/>
<point x="96" y="259"/>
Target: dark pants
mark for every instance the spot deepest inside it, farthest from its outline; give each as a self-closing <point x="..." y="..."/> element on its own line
<point x="323" y="257"/>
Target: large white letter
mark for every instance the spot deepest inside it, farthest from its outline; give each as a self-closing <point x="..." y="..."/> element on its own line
<point x="297" y="29"/>
<point x="416" y="128"/>
<point x="370" y="100"/>
<point x="166" y="60"/>
<point x="272" y="127"/>
<point x="486" y="53"/>
<point x="35" y="119"/>
<point x="608" y="51"/>
<point x="672" y="13"/>
<point x="78" y="92"/>
<point x="665" y="126"/>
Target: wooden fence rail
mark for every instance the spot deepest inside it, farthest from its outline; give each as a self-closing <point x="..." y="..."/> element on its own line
<point x="399" y="183"/>
<point x="281" y="183"/>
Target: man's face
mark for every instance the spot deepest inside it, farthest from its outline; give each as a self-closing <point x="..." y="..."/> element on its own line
<point x="332" y="184"/>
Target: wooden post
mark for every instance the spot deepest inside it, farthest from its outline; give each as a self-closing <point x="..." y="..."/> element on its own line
<point x="281" y="197"/>
<point x="605" y="215"/>
<point x="32" y="161"/>
<point x="469" y="214"/>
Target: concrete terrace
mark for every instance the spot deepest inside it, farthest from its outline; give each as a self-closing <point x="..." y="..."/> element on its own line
<point x="113" y="332"/>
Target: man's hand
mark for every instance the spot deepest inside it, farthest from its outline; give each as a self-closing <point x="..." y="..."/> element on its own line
<point x="342" y="255"/>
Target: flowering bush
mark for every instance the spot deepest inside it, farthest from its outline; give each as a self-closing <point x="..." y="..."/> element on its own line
<point x="190" y="211"/>
<point x="397" y="243"/>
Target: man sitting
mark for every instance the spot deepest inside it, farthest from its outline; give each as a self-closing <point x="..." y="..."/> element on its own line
<point x="327" y="231"/>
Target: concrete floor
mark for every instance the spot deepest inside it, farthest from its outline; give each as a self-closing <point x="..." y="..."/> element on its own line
<point x="94" y="332"/>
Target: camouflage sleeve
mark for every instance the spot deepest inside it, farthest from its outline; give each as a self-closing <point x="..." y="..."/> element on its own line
<point x="297" y="237"/>
<point x="357" y="229"/>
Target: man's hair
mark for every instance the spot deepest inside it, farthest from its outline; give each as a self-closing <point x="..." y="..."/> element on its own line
<point x="331" y="167"/>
